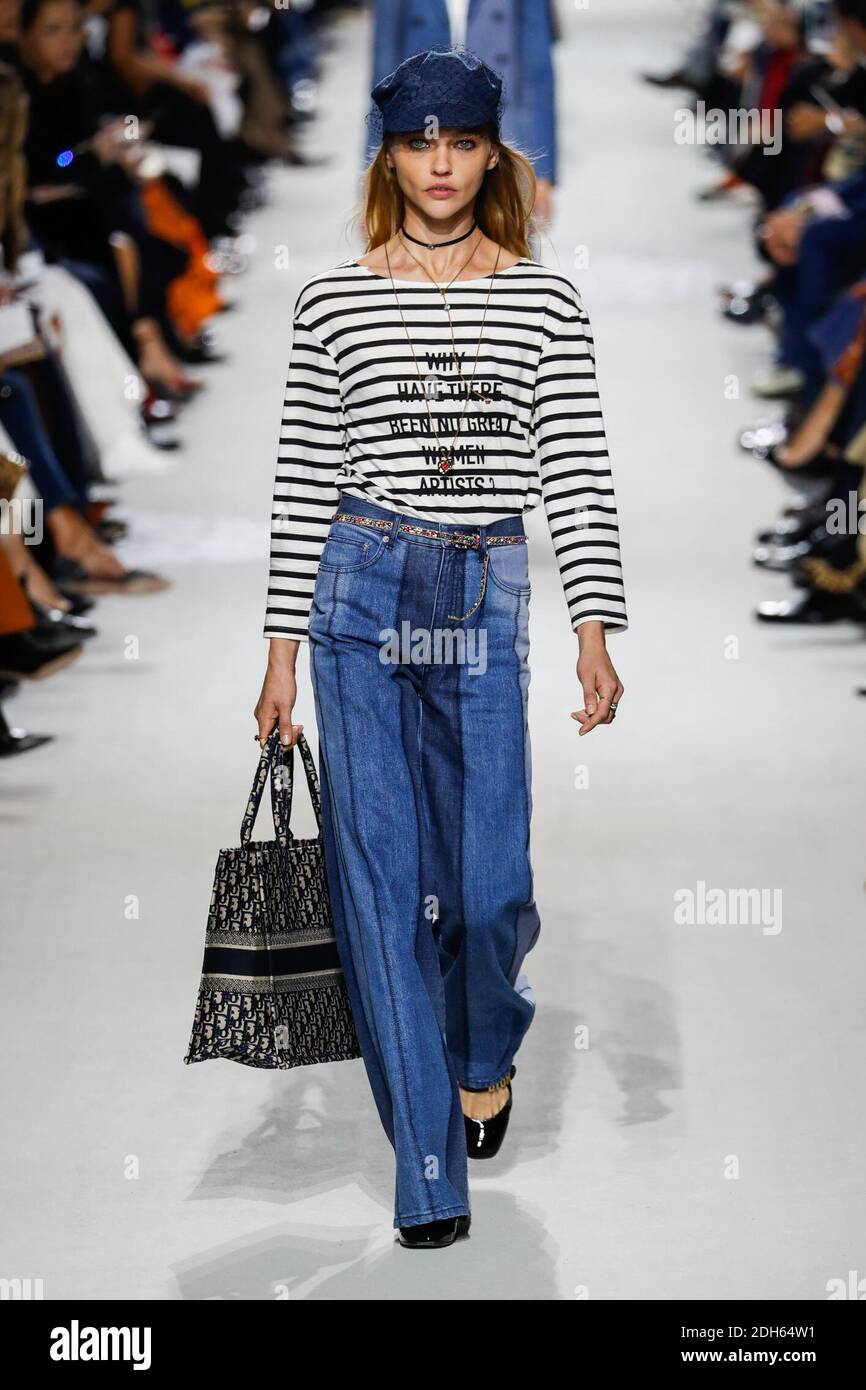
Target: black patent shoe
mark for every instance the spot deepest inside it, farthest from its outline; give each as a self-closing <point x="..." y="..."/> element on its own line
<point x="79" y="604"/>
<point x="819" y="468"/>
<point x="764" y="435"/>
<point x="827" y="556"/>
<point x="14" y="741"/>
<point x="814" y="609"/>
<point x="790" y="530"/>
<point x="663" y="79"/>
<point x="62" y="621"/>
<point x="37" y="652"/>
<point x="748" y="308"/>
<point x="434" y="1235"/>
<point x="200" y="350"/>
<point x="836" y="552"/>
<point x="484" y="1137"/>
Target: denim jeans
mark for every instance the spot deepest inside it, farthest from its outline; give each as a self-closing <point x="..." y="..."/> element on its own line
<point x="831" y="254"/>
<point x="421" y="705"/>
<point x="21" y="418"/>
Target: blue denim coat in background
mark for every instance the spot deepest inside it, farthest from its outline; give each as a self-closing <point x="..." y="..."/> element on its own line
<point x="514" y="37"/>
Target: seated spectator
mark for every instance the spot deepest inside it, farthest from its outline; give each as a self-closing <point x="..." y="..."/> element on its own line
<point x="811" y="235"/>
<point x="83" y="204"/>
<point x="110" y="271"/>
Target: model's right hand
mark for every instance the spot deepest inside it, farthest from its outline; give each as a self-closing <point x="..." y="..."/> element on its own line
<point x="279" y="692"/>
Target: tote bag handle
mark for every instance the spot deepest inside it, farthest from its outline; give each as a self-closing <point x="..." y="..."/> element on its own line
<point x="274" y="759"/>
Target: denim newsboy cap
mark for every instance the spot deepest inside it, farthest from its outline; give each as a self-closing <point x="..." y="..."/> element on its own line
<point x="452" y="85"/>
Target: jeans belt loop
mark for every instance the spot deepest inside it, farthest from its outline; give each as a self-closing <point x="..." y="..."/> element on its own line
<point x="395" y="526"/>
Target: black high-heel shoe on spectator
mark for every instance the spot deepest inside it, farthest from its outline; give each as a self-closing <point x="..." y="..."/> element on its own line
<point x="789" y="555"/>
<point x="71" y="576"/>
<point x="484" y="1137"/>
<point x="201" y="350"/>
<point x="835" y="553"/>
<point x="12" y="740"/>
<point x="780" y="546"/>
<point x="37" y="652"/>
<point x="763" y="435"/>
<point x="781" y="556"/>
<point x="667" y="79"/>
<point x="158" y="418"/>
<point x="80" y="603"/>
<point x="819" y="468"/>
<point x="65" y="622"/>
<point x="832" y="596"/>
<point x="813" y="609"/>
<point x="772" y="431"/>
<point x="749" y="308"/>
<point x="111" y="529"/>
<point x="797" y="524"/>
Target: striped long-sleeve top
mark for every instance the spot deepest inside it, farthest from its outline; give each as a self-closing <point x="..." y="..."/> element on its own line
<point x="517" y="409"/>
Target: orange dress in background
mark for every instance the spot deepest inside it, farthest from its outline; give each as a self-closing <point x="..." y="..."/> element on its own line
<point x="193" y="296"/>
<point x="16" y="615"/>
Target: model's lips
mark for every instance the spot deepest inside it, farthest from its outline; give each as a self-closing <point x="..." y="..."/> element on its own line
<point x="441" y="190"/>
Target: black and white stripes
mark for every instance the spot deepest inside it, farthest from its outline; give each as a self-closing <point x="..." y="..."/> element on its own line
<point x="356" y="418"/>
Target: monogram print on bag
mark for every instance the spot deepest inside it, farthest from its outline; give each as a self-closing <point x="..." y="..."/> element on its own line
<point x="272" y="992"/>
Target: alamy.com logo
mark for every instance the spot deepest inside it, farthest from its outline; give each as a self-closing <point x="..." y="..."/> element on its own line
<point x="22" y="516"/>
<point x="439" y="646"/>
<point x="77" y="1343"/>
<point x="739" y="126"/>
<point x="21" y="1290"/>
<point x="853" y="1287"/>
<point x="729" y="907"/>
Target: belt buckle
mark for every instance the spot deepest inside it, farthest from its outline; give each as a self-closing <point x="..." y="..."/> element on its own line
<point x="464" y="540"/>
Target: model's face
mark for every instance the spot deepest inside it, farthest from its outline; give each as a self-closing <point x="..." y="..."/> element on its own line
<point x="441" y="176"/>
<point x="52" y="45"/>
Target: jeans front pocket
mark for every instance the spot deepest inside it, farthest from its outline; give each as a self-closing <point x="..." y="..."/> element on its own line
<point x="509" y="568"/>
<point x="342" y="553"/>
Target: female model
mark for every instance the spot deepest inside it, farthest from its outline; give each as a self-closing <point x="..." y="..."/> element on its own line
<point x="425" y="380"/>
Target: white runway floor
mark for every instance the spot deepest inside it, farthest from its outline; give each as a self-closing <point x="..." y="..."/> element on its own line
<point x="709" y="1140"/>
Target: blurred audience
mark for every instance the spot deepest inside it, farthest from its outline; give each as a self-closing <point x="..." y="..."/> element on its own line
<point x="799" y="69"/>
<point x="135" y="138"/>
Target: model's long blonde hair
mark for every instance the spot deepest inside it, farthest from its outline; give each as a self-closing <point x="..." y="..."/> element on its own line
<point x="503" y="204"/>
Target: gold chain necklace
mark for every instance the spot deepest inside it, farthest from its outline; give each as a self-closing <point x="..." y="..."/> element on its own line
<point x="442" y="290"/>
<point x="446" y="456"/>
<point x="470" y="388"/>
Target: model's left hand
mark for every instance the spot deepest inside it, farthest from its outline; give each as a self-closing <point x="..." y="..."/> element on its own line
<point x="602" y="687"/>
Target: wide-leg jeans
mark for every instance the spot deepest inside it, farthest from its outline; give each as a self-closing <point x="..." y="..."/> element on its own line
<point x="421" y="705"/>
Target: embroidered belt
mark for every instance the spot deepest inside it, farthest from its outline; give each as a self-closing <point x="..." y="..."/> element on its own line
<point x="463" y="540"/>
